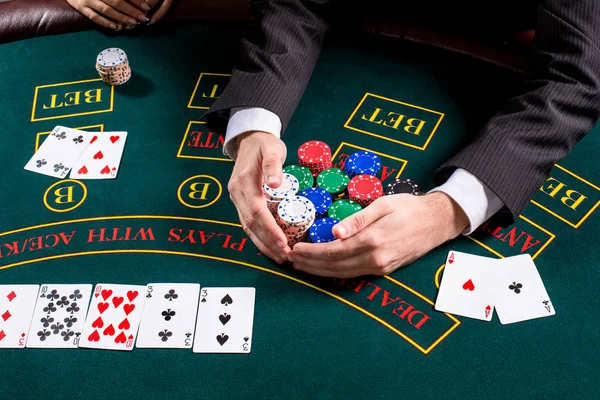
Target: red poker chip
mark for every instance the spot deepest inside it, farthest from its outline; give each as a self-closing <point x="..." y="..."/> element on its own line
<point x="365" y="188"/>
<point x="314" y="152"/>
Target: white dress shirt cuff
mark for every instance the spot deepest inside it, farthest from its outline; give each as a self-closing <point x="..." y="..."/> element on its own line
<point x="244" y="119"/>
<point x="478" y="202"/>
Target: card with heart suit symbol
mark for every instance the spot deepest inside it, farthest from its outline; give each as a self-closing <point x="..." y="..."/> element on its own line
<point x="113" y="317"/>
<point x="467" y="286"/>
<point x="102" y="158"/>
<point x="225" y="320"/>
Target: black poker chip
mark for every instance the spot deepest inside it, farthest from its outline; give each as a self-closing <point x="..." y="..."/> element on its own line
<point x="399" y="186"/>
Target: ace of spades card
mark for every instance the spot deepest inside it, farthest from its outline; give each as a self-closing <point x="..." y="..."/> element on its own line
<point x="169" y="316"/>
<point x="59" y="316"/>
<point x="225" y="320"/>
<point x="102" y="158"/>
<point x="113" y="317"/>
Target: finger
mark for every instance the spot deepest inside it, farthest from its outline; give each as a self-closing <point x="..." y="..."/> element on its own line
<point x="162" y="10"/>
<point x="128" y="9"/>
<point x="110" y="12"/>
<point x="272" y="167"/>
<point x="340" y="273"/>
<point x="355" y="223"/>
<point x="98" y="19"/>
<point x="336" y="250"/>
<point x="141" y="4"/>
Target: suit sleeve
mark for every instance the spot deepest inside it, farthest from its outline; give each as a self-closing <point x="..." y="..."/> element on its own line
<point x="517" y="148"/>
<point x="277" y="60"/>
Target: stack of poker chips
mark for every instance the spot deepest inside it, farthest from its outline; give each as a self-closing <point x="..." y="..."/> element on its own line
<point x="343" y="208"/>
<point x="334" y="180"/>
<point x="287" y="189"/>
<point x="362" y="162"/>
<point x="365" y="189"/>
<point x="113" y="66"/>
<point x="322" y="230"/>
<point x="399" y="186"/>
<point x="315" y="155"/>
<point x="295" y="216"/>
<point x="320" y="198"/>
<point x="303" y="174"/>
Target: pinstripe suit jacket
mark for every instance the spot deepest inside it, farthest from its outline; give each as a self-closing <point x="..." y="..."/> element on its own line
<point x="514" y="152"/>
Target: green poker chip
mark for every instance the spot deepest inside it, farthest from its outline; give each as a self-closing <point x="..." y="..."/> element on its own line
<point x="343" y="208"/>
<point x="333" y="180"/>
<point x="303" y="174"/>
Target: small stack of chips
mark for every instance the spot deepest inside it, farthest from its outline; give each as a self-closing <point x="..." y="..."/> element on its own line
<point x="402" y="186"/>
<point x="320" y="198"/>
<point x="303" y="174"/>
<point x="113" y="66"/>
<point x="365" y="189"/>
<point x="362" y="162"/>
<point x="287" y="189"/>
<point x="315" y="155"/>
<point x="344" y="208"/>
<point x="334" y="180"/>
<point x="321" y="230"/>
<point x="295" y="216"/>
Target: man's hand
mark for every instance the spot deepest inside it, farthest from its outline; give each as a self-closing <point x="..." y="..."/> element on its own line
<point x="391" y="232"/>
<point x="260" y="157"/>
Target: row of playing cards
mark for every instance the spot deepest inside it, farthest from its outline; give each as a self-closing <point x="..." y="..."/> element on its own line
<point x="86" y="155"/>
<point x="472" y="286"/>
<point x="117" y="317"/>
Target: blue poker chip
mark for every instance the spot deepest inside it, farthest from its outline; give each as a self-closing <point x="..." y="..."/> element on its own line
<point x="362" y="162"/>
<point x="321" y="199"/>
<point x="321" y="230"/>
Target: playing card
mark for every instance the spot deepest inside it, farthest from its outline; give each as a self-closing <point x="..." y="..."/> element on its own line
<point x="169" y="316"/>
<point x="102" y="158"/>
<point x="114" y="317"/>
<point x="225" y="319"/>
<point x="59" y="316"/>
<point x="59" y="151"/>
<point x="466" y="288"/>
<point x="520" y="292"/>
<point x="16" y="309"/>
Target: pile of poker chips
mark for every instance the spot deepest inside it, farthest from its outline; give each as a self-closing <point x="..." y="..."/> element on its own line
<point x="295" y="216"/>
<point x="304" y="175"/>
<point x="365" y="189"/>
<point x="320" y="198"/>
<point x="288" y="188"/>
<point x="343" y="208"/>
<point x="321" y="230"/>
<point x="113" y="66"/>
<point x="333" y="180"/>
<point x="315" y="155"/>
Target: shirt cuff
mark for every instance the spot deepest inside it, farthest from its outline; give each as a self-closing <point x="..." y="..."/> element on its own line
<point x="244" y="119"/>
<point x="478" y="202"/>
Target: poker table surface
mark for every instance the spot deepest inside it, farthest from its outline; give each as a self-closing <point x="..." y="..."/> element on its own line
<point x="167" y="217"/>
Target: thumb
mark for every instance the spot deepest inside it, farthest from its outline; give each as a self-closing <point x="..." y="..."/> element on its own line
<point x="355" y="223"/>
<point x="272" y="167"/>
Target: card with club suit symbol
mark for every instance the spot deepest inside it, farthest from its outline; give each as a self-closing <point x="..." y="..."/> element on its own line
<point x="102" y="158"/>
<point x="467" y="286"/>
<point x="59" y="316"/>
<point x="520" y="291"/>
<point x="169" y="317"/>
<point x="225" y="320"/>
<point x="59" y="151"/>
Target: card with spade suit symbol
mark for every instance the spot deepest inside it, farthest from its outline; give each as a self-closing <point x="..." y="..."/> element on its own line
<point x="102" y="158"/>
<point x="169" y="317"/>
<point x="520" y="292"/>
<point x="113" y="317"/>
<point x="467" y="286"/>
<point x="225" y="320"/>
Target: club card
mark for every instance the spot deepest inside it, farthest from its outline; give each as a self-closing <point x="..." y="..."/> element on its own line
<point x="225" y="320"/>
<point x="59" y="316"/>
<point x="520" y="292"/>
<point x="17" y="303"/>
<point x="114" y="317"/>
<point x="102" y="158"/>
<point x="59" y="151"/>
<point x="466" y="288"/>
<point x="169" y="317"/>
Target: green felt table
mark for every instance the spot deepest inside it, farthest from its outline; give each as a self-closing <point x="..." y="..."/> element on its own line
<point x="167" y="217"/>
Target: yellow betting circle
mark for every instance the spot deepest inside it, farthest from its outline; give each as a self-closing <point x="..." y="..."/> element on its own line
<point x="200" y="176"/>
<point x="437" y="276"/>
<point x="68" y="209"/>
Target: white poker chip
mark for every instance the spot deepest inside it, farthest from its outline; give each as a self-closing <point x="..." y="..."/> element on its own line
<point x="111" y="57"/>
<point x="296" y="209"/>
<point x="288" y="188"/>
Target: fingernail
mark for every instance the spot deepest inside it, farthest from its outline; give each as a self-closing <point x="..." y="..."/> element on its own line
<point x="131" y="26"/>
<point x="291" y="258"/>
<point x="145" y="7"/>
<point x="142" y="18"/>
<point x="131" y="21"/>
<point x="341" y="230"/>
<point x="114" y="26"/>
